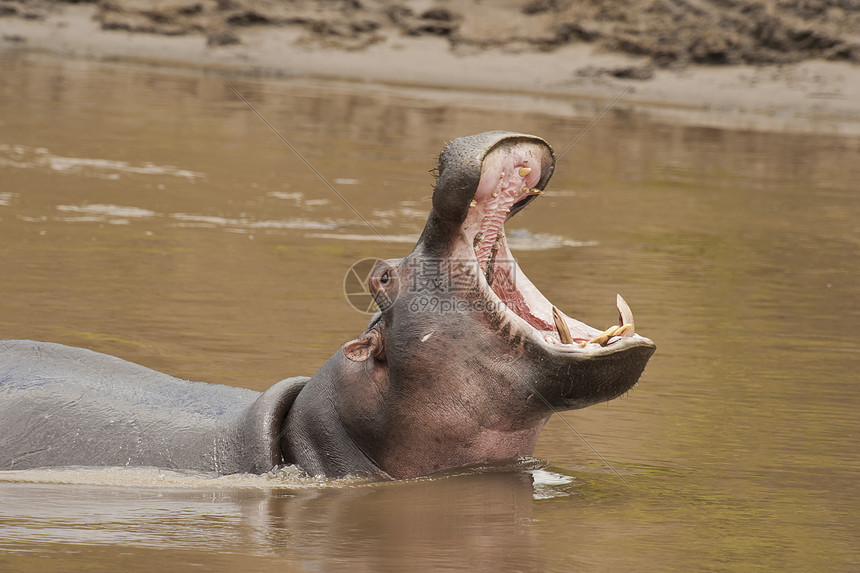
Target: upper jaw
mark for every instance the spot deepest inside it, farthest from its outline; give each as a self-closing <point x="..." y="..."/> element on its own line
<point x="484" y="180"/>
<point x="459" y="174"/>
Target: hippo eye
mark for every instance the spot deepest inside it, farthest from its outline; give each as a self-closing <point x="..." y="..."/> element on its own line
<point x="384" y="278"/>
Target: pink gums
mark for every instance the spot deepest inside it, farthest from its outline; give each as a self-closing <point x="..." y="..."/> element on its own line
<point x="501" y="187"/>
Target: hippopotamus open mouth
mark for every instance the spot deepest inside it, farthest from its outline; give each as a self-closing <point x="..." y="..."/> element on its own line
<point x="466" y="359"/>
<point x="514" y="172"/>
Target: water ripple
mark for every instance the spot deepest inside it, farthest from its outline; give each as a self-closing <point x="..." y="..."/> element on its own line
<point x="23" y="157"/>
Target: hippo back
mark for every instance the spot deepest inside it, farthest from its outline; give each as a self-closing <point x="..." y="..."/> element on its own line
<point x="64" y="406"/>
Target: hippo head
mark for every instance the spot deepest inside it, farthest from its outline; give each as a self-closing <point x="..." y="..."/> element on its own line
<point x="466" y="359"/>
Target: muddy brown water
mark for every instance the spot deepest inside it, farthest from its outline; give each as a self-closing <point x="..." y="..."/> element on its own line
<point x="151" y="215"/>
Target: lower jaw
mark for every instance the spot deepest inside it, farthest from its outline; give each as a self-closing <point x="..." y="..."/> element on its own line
<point x="501" y="276"/>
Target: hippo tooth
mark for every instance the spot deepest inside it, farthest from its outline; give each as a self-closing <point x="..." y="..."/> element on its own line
<point x="623" y="330"/>
<point x="476" y="242"/>
<point x="600" y="339"/>
<point x="524" y="171"/>
<point x="473" y="203"/>
<point x="604" y="336"/>
<point x="625" y="315"/>
<point x="612" y="331"/>
<point x="561" y="326"/>
<point x="478" y="236"/>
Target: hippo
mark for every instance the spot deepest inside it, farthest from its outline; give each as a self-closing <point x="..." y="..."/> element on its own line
<point x="463" y="363"/>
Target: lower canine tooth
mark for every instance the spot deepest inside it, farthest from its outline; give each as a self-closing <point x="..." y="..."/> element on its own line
<point x="625" y="315"/>
<point x="561" y="326"/>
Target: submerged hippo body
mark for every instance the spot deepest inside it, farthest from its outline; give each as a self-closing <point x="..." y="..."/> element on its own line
<point x="464" y="363"/>
<point x="63" y="406"/>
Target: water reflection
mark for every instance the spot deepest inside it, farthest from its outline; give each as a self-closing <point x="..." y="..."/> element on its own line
<point x="479" y="520"/>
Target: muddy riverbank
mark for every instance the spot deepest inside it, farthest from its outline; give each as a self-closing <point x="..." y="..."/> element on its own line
<point x="775" y="64"/>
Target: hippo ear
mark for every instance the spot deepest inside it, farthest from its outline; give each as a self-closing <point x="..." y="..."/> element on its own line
<point x="365" y="346"/>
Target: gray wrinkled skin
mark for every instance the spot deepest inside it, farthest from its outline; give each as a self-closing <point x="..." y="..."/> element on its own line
<point x="65" y="406"/>
<point x="419" y="391"/>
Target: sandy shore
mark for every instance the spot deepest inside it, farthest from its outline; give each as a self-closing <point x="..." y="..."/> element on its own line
<point x="798" y="88"/>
